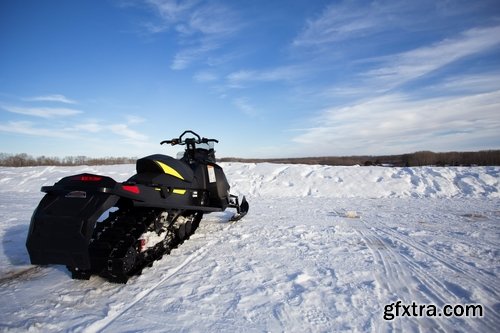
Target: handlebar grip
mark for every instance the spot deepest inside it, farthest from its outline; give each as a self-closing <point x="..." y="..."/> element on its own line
<point x="172" y="142"/>
<point x="205" y="140"/>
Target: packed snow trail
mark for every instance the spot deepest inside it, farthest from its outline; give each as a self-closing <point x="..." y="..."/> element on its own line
<point x="312" y="255"/>
<point x="120" y="309"/>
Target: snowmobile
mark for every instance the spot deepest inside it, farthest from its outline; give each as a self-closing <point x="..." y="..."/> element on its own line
<point x="95" y="225"/>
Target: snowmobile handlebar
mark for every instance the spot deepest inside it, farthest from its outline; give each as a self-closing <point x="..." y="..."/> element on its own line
<point x="181" y="141"/>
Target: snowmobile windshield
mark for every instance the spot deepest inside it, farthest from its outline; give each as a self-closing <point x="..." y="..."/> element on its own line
<point x="207" y="146"/>
<point x="201" y="152"/>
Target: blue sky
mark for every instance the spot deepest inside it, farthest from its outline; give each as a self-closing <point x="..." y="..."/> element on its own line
<point x="267" y="78"/>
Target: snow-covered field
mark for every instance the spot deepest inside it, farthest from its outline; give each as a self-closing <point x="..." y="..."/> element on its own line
<point x="323" y="249"/>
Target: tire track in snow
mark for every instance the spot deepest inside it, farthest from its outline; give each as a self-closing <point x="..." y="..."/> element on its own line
<point x="115" y="312"/>
<point x="481" y="281"/>
<point x="428" y="284"/>
<point x="460" y="267"/>
<point x="402" y="268"/>
<point x="393" y="277"/>
<point x="398" y="271"/>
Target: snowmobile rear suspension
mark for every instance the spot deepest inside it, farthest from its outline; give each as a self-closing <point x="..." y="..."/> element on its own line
<point x="132" y="239"/>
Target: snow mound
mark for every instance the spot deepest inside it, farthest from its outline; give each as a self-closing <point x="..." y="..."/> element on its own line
<point x="278" y="180"/>
<point x="286" y="180"/>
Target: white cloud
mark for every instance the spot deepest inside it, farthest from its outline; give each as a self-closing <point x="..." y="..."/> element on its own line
<point x="243" y="104"/>
<point x="29" y="128"/>
<point x="205" y="76"/>
<point x="346" y="20"/>
<point x="201" y="26"/>
<point x="124" y="131"/>
<point x="403" y="67"/>
<point x="283" y="73"/>
<point x="78" y="130"/>
<point x="132" y="119"/>
<point x="188" y="55"/>
<point x="395" y="123"/>
<point x="52" y="98"/>
<point x="89" y="127"/>
<point x="44" y="112"/>
<point x="481" y="82"/>
<point x="375" y="118"/>
<point x="172" y="10"/>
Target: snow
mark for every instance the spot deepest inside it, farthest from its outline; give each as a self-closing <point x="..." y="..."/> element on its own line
<point x="322" y="249"/>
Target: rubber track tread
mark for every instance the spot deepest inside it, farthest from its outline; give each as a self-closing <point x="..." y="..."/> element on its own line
<point x="114" y="247"/>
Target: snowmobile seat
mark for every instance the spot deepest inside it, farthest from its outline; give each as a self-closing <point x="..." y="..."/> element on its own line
<point x="165" y="164"/>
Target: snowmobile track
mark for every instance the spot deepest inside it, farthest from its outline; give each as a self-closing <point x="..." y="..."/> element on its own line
<point x="402" y="268"/>
<point x="398" y="270"/>
<point x="115" y="312"/>
<point x="460" y="267"/>
<point x="393" y="274"/>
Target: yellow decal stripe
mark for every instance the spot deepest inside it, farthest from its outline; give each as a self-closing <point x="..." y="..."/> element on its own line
<point x="179" y="191"/>
<point x="169" y="170"/>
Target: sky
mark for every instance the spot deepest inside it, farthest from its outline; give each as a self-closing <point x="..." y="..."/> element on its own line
<point x="284" y="78"/>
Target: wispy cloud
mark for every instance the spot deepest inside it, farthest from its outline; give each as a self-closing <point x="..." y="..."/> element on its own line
<point x="403" y="67"/>
<point x="347" y="20"/>
<point x="395" y="100"/>
<point x="93" y="127"/>
<point x="188" y="55"/>
<point x="52" y="98"/>
<point x="243" y="105"/>
<point x="31" y="129"/>
<point x="202" y="27"/>
<point x="72" y="132"/>
<point x="63" y="129"/>
<point x="171" y="10"/>
<point x="43" y="112"/>
<point x="133" y="119"/>
<point x="468" y="83"/>
<point x="205" y="76"/>
<point x="388" y="43"/>
<point x="337" y="22"/>
<point x="283" y="73"/>
<point x="397" y="123"/>
<point x="124" y="131"/>
<point x="353" y="20"/>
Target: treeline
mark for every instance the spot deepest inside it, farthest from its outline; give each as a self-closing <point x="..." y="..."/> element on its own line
<point x="22" y="160"/>
<point x="420" y="158"/>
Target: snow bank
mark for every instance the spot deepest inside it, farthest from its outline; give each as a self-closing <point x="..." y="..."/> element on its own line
<point x="278" y="180"/>
<point x="283" y="180"/>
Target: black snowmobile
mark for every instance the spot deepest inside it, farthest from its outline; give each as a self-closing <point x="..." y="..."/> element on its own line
<point x="147" y="216"/>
